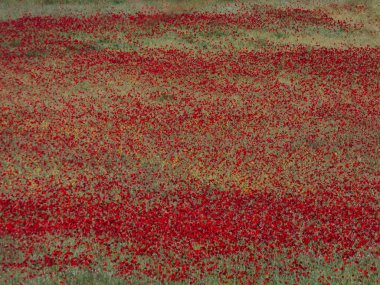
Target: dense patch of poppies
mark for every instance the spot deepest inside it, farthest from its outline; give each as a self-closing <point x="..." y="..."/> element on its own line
<point x="178" y="157"/>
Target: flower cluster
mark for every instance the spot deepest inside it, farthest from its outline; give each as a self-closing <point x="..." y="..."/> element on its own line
<point x="177" y="164"/>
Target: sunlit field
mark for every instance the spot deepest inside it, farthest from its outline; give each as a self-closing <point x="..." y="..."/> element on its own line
<point x="189" y="142"/>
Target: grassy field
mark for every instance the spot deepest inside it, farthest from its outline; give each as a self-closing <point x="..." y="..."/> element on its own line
<point x="189" y="142"/>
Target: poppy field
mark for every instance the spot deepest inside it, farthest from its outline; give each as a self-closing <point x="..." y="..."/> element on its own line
<point x="234" y="144"/>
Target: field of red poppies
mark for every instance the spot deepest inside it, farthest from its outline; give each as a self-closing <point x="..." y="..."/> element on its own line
<point x="214" y="147"/>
